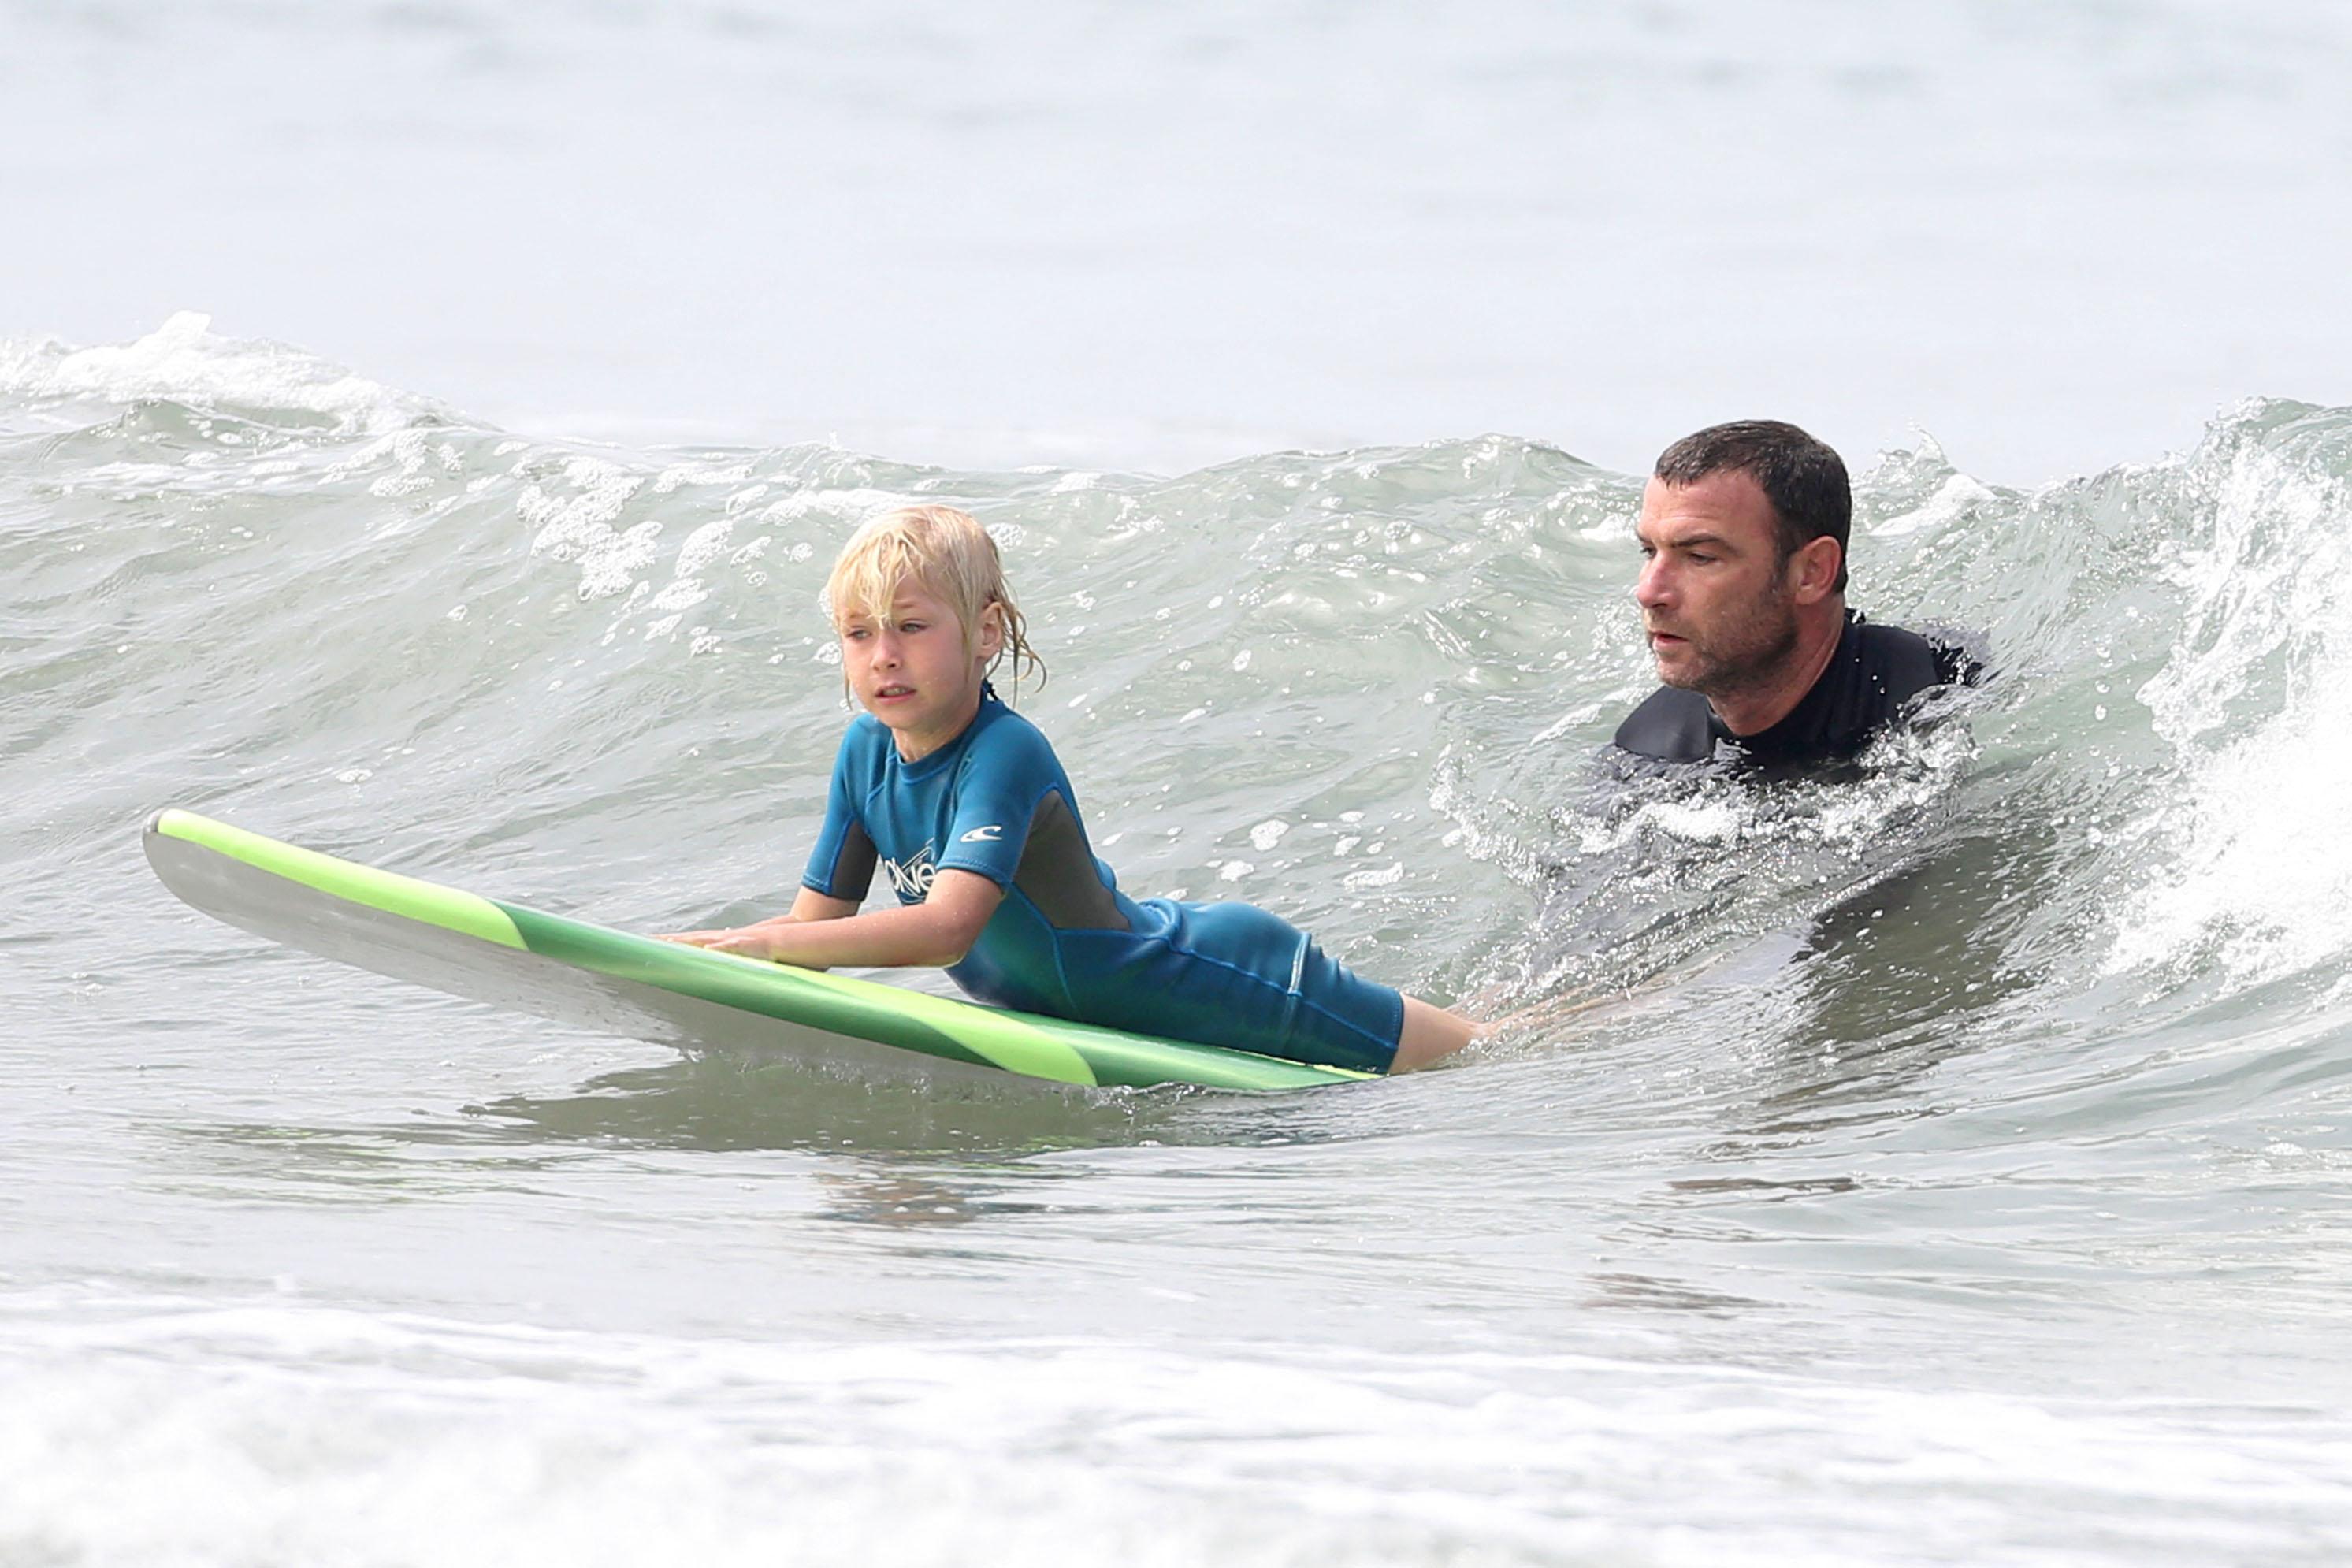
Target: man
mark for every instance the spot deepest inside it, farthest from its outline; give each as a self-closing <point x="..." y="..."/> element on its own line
<point x="1743" y="529"/>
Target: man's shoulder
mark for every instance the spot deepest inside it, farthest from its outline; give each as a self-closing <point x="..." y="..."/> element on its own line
<point x="1871" y="684"/>
<point x="1907" y="662"/>
<point x="1671" y="725"/>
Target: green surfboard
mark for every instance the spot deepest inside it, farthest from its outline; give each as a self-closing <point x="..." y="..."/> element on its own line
<point x="615" y="982"/>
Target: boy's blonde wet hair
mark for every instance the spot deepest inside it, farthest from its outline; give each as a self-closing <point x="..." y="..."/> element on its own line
<point x="951" y="555"/>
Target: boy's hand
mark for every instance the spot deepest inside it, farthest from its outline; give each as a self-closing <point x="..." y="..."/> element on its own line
<point x="751" y="941"/>
<point x="822" y="932"/>
<point x="809" y="906"/>
<point x="748" y="941"/>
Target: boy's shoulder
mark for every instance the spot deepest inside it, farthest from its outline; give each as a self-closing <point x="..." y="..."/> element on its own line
<point x="1008" y="753"/>
<point x="864" y="736"/>
<point x="1001" y="731"/>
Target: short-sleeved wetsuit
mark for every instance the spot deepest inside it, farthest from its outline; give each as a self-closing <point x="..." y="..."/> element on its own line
<point x="1065" y="941"/>
<point x="1876" y="670"/>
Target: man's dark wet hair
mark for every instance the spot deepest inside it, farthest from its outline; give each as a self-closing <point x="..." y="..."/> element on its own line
<point x="1803" y="480"/>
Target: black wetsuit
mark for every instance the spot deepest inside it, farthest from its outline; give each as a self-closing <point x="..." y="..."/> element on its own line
<point x="1876" y="670"/>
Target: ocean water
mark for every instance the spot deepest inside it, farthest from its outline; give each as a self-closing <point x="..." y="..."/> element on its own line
<point x="1952" y="1167"/>
<point x="1955" y="1172"/>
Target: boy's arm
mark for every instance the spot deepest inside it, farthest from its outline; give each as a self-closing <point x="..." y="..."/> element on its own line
<point x="808" y="905"/>
<point x="822" y="932"/>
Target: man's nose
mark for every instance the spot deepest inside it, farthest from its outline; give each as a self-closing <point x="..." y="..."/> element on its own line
<point x="1652" y="589"/>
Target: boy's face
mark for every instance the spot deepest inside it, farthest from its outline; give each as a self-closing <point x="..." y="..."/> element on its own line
<point x="911" y="669"/>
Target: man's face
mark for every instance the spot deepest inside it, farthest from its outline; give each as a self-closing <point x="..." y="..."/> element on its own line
<point x="1713" y="590"/>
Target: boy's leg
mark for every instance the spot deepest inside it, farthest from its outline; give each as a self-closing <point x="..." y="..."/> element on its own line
<point x="1429" y="1033"/>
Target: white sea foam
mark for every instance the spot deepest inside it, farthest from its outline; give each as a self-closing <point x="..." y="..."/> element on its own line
<point x="1952" y="498"/>
<point x="2254" y="863"/>
<point x="293" y="1435"/>
<point x="574" y="522"/>
<point x="184" y="361"/>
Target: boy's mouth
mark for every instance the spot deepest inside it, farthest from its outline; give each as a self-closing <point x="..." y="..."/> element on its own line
<point x="896" y="688"/>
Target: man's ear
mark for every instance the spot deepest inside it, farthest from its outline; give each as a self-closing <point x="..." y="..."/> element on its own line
<point x="1814" y="569"/>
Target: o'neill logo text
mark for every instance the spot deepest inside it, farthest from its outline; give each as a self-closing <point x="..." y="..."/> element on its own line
<point x="912" y="881"/>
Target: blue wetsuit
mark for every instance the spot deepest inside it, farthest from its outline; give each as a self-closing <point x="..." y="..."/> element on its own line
<point x="1065" y="941"/>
